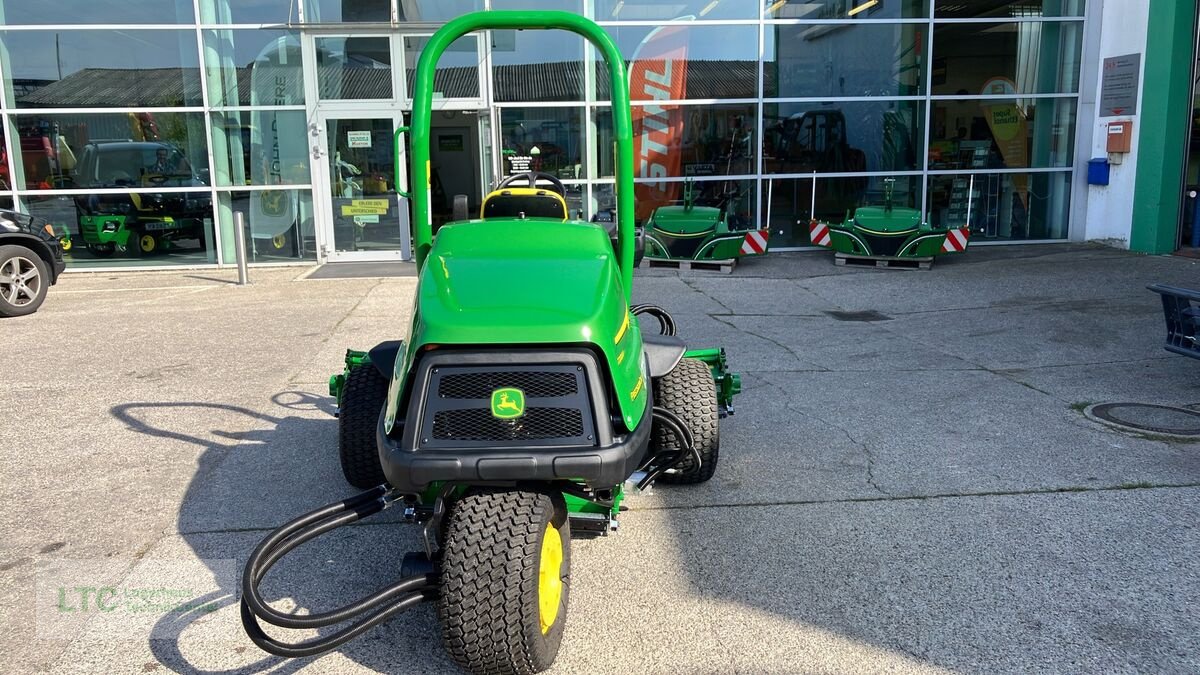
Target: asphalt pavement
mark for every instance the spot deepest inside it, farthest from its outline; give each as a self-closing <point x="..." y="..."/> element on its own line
<point x="909" y="483"/>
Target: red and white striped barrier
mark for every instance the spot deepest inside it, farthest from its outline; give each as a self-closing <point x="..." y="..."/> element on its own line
<point x="956" y="240"/>
<point x="755" y="242"/>
<point x="818" y="233"/>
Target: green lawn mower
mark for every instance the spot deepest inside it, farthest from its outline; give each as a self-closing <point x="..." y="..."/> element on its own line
<point x="888" y="231"/>
<point x="524" y="403"/>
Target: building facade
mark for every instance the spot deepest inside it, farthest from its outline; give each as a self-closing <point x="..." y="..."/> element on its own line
<point x="140" y="127"/>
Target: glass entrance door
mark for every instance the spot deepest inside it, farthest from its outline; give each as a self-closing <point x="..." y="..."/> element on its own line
<point x="367" y="216"/>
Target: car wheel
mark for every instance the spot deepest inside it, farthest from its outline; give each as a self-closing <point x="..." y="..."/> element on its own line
<point x="24" y="281"/>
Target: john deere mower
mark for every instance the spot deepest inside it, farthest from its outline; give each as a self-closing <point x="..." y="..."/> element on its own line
<point x="523" y="404"/>
<point x="888" y="231"/>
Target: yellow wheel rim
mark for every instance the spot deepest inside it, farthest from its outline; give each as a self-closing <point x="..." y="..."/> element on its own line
<point x="550" y="578"/>
<point x="66" y="244"/>
<point x="278" y="241"/>
<point x="147" y="243"/>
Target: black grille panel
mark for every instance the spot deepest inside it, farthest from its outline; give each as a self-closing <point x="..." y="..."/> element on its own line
<point x="535" y="384"/>
<point x="457" y="412"/>
<point x="888" y="246"/>
<point x="477" y="424"/>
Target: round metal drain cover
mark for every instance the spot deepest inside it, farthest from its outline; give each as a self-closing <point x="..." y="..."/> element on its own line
<point x="1148" y="418"/>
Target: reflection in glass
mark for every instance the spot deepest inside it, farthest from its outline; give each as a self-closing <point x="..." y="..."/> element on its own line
<point x="649" y="10"/>
<point x="1011" y="206"/>
<point x="735" y="198"/>
<point x="536" y="65"/>
<point x="347" y="11"/>
<point x="253" y="67"/>
<point x="457" y="74"/>
<point x="261" y="147"/>
<point x="101" y="68"/>
<point x="152" y="228"/>
<point x="77" y="150"/>
<point x="542" y="139"/>
<point x="575" y="6"/>
<point x="362" y="174"/>
<point x="280" y="224"/>
<point x="1030" y="57"/>
<point x="844" y="60"/>
<point x="436" y="10"/>
<point x="353" y="68"/>
<point x="248" y="11"/>
<point x="853" y="9"/>
<point x="681" y="61"/>
<point x="1006" y="9"/>
<point x="40" y="12"/>
<point x="851" y="136"/>
<point x="686" y="140"/>
<point x="792" y="202"/>
<point x="1002" y="133"/>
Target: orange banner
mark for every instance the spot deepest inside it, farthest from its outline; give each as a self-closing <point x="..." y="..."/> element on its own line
<point x="658" y="73"/>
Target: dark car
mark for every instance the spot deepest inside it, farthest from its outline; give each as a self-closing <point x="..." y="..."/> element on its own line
<point x="31" y="258"/>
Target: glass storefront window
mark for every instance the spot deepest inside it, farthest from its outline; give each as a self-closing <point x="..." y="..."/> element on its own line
<point x="248" y="11"/>
<point x="1027" y="57"/>
<point x="1010" y="206"/>
<point x="41" y="12"/>
<point x="111" y="150"/>
<point x="261" y="147"/>
<point x="279" y="222"/>
<point x="101" y="68"/>
<point x="736" y="196"/>
<point x="542" y="139"/>
<point x="457" y="74"/>
<point x="537" y="65"/>
<point x="253" y="67"/>
<point x="679" y="61"/>
<point x="699" y="140"/>
<point x="1006" y="9"/>
<point x="792" y="201"/>
<point x="347" y="11"/>
<point x="851" y="136"/>
<point x="436" y="10"/>
<point x="575" y="6"/>
<point x="655" y="10"/>
<point x="136" y="228"/>
<point x="354" y="68"/>
<point x="815" y="60"/>
<point x="847" y="9"/>
<point x="1002" y="133"/>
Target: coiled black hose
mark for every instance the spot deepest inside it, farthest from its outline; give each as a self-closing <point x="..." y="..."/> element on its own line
<point x="666" y="324"/>
<point x="378" y="607"/>
<point x="662" y="461"/>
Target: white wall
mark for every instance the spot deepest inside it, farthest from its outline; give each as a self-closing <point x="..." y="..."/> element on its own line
<point x="1106" y="213"/>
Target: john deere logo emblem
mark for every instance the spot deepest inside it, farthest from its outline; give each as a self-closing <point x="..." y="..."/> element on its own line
<point x="271" y="202"/>
<point x="508" y="403"/>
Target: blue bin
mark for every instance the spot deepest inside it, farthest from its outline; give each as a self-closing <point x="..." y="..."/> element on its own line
<point x="1098" y="171"/>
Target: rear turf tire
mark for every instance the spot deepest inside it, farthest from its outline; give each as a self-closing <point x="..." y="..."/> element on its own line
<point x="498" y="569"/>
<point x="363" y="399"/>
<point x="690" y="392"/>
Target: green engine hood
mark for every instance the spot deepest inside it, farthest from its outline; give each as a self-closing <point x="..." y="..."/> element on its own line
<point x="530" y="282"/>
<point x="879" y="219"/>
<point x="682" y="221"/>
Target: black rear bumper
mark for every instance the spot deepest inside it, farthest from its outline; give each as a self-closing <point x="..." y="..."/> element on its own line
<point x="413" y="457"/>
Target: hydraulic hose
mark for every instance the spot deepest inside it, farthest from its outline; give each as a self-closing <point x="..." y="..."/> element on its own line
<point x="377" y="607"/>
<point x="666" y="324"/>
<point x="687" y="445"/>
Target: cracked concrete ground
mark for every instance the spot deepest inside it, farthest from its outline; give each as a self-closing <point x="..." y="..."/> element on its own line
<point x="915" y="493"/>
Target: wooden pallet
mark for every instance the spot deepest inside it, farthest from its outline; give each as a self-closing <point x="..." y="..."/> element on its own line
<point x="886" y="262"/>
<point x="721" y="266"/>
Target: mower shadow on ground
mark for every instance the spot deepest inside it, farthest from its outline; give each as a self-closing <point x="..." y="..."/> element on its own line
<point x="246" y="484"/>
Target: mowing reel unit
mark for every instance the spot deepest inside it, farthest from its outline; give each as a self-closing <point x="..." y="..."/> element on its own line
<point x="522" y="406"/>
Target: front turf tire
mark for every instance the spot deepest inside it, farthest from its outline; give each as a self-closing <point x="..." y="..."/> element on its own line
<point x="690" y="392"/>
<point x="505" y="581"/>
<point x="364" y="396"/>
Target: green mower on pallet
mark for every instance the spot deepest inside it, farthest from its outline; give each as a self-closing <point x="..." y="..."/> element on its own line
<point x="523" y="404"/>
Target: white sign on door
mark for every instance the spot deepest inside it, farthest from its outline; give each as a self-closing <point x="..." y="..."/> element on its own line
<point x="358" y="139"/>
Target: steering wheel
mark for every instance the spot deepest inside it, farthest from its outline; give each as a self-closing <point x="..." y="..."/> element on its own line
<point x="531" y="180"/>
